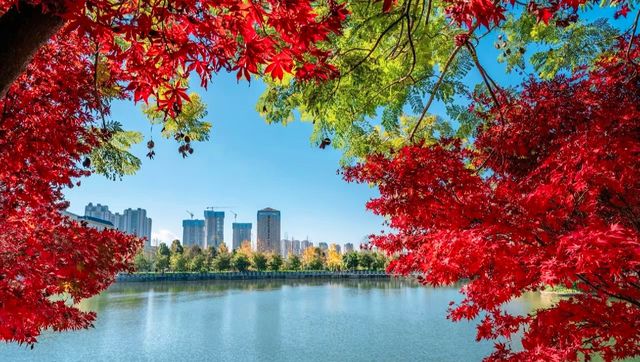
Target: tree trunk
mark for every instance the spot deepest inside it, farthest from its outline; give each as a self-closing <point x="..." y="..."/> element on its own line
<point x="23" y="30"/>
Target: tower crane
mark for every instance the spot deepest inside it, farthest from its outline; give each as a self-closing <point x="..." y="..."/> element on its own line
<point x="190" y="213"/>
<point x="229" y="208"/>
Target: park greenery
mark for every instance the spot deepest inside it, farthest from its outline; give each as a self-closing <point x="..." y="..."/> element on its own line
<point x="195" y="259"/>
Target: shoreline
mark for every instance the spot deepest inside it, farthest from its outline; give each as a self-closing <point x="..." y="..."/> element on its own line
<point x="559" y="293"/>
<point x="250" y="275"/>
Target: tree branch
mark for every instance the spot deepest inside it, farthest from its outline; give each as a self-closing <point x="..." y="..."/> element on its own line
<point x="23" y="30"/>
<point x="444" y="71"/>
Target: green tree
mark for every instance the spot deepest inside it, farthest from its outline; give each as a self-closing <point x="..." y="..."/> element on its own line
<point x="293" y="262"/>
<point x="274" y="262"/>
<point x="176" y="247"/>
<point x="178" y="262"/>
<point x="222" y="261"/>
<point x="211" y="251"/>
<point x="365" y="260"/>
<point x="380" y="261"/>
<point x="259" y="261"/>
<point x="350" y="260"/>
<point x="192" y="251"/>
<point x="162" y="263"/>
<point x="388" y="75"/>
<point x="163" y="249"/>
<point x="142" y="264"/>
<point x="198" y="263"/>
<point x="240" y="262"/>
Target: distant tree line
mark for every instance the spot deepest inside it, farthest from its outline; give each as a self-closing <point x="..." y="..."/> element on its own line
<point x="176" y="258"/>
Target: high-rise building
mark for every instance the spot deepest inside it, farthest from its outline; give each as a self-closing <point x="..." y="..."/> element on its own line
<point x="323" y="246"/>
<point x="348" y="247"/>
<point x="131" y="221"/>
<point x="304" y="244"/>
<point x="98" y="211"/>
<point x="241" y="233"/>
<point x="214" y="227"/>
<point x="291" y="247"/>
<point x="135" y="222"/>
<point x="268" y="239"/>
<point x="193" y="232"/>
<point x="295" y="247"/>
<point x="338" y="248"/>
<point x="286" y="248"/>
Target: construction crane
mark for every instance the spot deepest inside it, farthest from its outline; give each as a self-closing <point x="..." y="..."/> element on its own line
<point x="190" y="213"/>
<point x="218" y="207"/>
<point x="229" y="208"/>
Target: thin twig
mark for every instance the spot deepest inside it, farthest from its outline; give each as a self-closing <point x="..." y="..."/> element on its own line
<point x="444" y="71"/>
<point x="633" y="35"/>
<point x="485" y="77"/>
<point x="375" y="45"/>
<point x="610" y="294"/>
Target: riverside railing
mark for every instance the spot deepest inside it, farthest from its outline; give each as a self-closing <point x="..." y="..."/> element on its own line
<point x="252" y="275"/>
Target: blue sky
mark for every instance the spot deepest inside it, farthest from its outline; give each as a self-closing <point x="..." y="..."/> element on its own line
<point x="246" y="164"/>
<point x="250" y="165"/>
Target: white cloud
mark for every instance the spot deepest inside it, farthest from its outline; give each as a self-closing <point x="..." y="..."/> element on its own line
<point x="164" y="235"/>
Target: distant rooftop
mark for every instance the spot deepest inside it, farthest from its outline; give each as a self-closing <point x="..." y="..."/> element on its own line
<point x="269" y="209"/>
<point x="95" y="219"/>
<point x="192" y="222"/>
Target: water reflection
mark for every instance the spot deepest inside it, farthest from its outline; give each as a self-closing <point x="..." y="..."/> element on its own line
<point x="264" y="320"/>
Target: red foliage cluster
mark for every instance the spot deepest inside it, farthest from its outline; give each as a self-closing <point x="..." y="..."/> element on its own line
<point x="141" y="50"/>
<point x="549" y="195"/>
<point x="43" y="255"/>
<point x="151" y="46"/>
<point x="490" y="13"/>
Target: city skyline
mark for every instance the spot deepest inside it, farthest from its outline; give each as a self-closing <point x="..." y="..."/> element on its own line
<point x="197" y="232"/>
<point x="246" y="163"/>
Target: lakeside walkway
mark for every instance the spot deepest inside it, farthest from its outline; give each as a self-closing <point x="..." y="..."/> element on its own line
<point x="251" y="275"/>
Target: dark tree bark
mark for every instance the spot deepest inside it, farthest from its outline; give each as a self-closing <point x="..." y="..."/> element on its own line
<point x="23" y="30"/>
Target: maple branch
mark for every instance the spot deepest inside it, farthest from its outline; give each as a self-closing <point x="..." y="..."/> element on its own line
<point x="633" y="35"/>
<point x="485" y="77"/>
<point x="484" y="163"/>
<point x="24" y="28"/>
<point x="612" y="295"/>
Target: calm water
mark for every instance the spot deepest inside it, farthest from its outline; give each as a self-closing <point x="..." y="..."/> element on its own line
<point x="268" y="321"/>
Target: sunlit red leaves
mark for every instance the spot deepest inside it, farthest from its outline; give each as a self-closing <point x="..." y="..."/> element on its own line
<point x="280" y="64"/>
<point x="559" y="206"/>
<point x="151" y="45"/>
<point x="490" y="13"/>
<point x="45" y="133"/>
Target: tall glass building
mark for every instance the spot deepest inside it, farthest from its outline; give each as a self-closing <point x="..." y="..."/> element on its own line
<point x="268" y="239"/>
<point x="193" y="232"/>
<point x="214" y="227"/>
<point x="241" y="233"/>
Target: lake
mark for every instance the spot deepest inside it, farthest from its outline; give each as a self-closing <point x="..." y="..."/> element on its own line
<point x="322" y="320"/>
